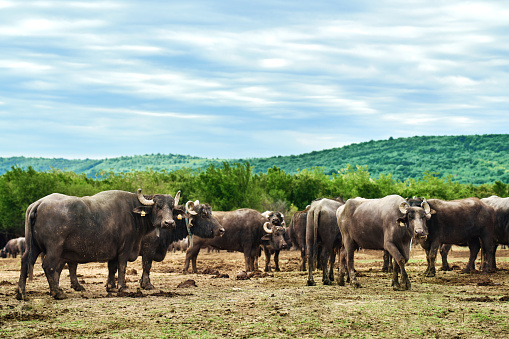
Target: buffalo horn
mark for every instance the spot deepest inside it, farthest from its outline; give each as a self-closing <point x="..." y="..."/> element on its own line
<point x="426" y="207"/>
<point x="177" y="198"/>
<point x="266" y="227"/>
<point x="190" y="207"/>
<point x="142" y="199"/>
<point x="403" y="207"/>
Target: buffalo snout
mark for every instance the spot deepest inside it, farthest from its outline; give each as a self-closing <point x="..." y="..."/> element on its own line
<point x="421" y="234"/>
<point x="169" y="223"/>
<point x="221" y="231"/>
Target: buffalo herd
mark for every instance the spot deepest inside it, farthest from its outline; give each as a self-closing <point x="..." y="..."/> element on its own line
<point x="117" y="227"/>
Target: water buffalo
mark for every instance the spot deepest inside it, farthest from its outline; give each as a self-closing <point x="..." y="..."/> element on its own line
<point x="273" y="244"/>
<point x="14" y="247"/>
<point x="381" y="224"/>
<point x="322" y="231"/>
<point x="155" y="246"/>
<point x="501" y="207"/>
<point x="201" y="222"/>
<point x="463" y="222"/>
<point x="245" y="229"/>
<point x="108" y="226"/>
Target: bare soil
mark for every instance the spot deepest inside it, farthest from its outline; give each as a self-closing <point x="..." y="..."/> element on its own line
<point x="214" y="304"/>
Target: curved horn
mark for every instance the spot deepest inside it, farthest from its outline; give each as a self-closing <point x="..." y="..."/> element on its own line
<point x="266" y="227"/>
<point x="403" y="207"/>
<point x="177" y="198"/>
<point x="426" y="207"/>
<point x="142" y="199"/>
<point x="190" y="207"/>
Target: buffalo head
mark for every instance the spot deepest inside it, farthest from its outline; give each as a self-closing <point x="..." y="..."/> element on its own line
<point x="201" y="221"/>
<point x="415" y="217"/>
<point x="159" y="208"/>
<point x="275" y="229"/>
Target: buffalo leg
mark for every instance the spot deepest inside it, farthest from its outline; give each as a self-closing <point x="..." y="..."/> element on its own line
<point x="111" y="285"/>
<point x="444" y="251"/>
<point x="488" y="247"/>
<point x="145" y="276"/>
<point x="50" y="264"/>
<point x="122" y="267"/>
<point x="431" y="256"/>
<point x="191" y="255"/>
<point x="399" y="266"/>
<point x="387" y="266"/>
<point x="276" y="261"/>
<point x="342" y="267"/>
<point x="325" y="258"/>
<point x="27" y="265"/>
<point x="72" y="267"/>
<point x="267" y="259"/>
<point x="303" y="258"/>
<point x="474" y="246"/>
<point x="312" y="259"/>
<point x="350" y="251"/>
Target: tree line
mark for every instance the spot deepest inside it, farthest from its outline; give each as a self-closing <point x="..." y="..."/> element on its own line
<point x="470" y="159"/>
<point x="227" y="186"/>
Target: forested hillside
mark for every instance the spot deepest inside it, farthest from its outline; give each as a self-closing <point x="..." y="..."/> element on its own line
<point x="474" y="159"/>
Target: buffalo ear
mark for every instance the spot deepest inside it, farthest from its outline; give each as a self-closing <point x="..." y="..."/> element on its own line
<point x="266" y="237"/>
<point x="142" y="210"/>
<point x="401" y="222"/>
<point x="432" y="212"/>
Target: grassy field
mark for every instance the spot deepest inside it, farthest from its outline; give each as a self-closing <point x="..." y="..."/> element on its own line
<point x="269" y="305"/>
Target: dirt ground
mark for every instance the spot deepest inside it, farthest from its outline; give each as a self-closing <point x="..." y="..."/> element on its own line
<point x="268" y="305"/>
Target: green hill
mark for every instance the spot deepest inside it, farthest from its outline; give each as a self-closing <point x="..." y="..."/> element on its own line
<point x="474" y="159"/>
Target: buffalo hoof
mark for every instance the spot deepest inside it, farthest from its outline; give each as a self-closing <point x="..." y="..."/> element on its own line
<point x="77" y="287"/>
<point x="429" y="274"/>
<point x="311" y="283"/>
<point x="446" y="268"/>
<point x="277" y="269"/>
<point x="147" y="286"/>
<point x="327" y="282"/>
<point x="341" y="281"/>
<point x="21" y="295"/>
<point x="467" y="270"/>
<point x="59" y="295"/>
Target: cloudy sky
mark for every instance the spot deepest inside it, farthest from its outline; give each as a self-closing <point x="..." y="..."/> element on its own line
<point x="238" y="79"/>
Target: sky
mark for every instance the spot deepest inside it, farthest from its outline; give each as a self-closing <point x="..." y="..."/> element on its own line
<point x="239" y="79"/>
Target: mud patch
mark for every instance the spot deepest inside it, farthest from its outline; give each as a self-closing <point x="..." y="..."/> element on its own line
<point x="187" y="283"/>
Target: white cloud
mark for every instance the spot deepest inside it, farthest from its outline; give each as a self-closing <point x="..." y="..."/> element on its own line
<point x="367" y="69"/>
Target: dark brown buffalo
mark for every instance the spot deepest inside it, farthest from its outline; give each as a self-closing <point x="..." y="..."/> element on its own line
<point x="501" y="207"/>
<point x="244" y="231"/>
<point x="322" y="231"/>
<point x="14" y="247"/>
<point x="107" y="226"/>
<point x="388" y="224"/>
<point x="273" y="244"/>
<point x="297" y="231"/>
<point x="462" y="222"/>
<point x="154" y="247"/>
